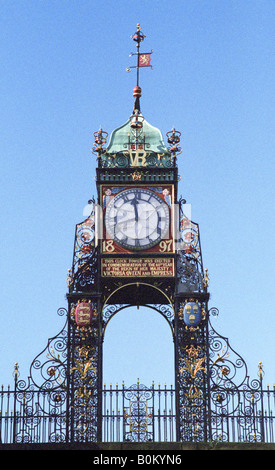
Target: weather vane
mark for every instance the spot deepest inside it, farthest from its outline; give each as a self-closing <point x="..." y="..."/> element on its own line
<point x="143" y="60"/>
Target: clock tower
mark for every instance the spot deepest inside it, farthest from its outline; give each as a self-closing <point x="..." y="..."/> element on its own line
<point x="138" y="247"/>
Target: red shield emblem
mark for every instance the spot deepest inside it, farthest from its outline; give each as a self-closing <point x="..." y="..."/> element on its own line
<point x="83" y="314"/>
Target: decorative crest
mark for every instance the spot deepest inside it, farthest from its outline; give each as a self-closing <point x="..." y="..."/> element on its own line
<point x="143" y="60"/>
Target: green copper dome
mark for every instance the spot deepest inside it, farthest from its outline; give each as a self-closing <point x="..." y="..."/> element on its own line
<point x="146" y="135"/>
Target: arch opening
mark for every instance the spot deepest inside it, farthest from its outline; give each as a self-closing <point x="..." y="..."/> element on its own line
<point x="138" y="345"/>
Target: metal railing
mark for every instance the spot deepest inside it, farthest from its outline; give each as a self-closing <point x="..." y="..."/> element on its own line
<point x="137" y="414"/>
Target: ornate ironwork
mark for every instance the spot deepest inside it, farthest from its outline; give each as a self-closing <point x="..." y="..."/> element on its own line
<point x="83" y="369"/>
<point x="124" y="159"/>
<point x="138" y="415"/>
<point x="191" y="367"/>
<point x="83" y="274"/>
<point x="190" y="274"/>
<point x="110" y="310"/>
<point x="59" y="402"/>
<point x="63" y="399"/>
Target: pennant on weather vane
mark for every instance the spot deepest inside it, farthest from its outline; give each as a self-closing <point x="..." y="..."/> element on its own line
<point x="144" y="60"/>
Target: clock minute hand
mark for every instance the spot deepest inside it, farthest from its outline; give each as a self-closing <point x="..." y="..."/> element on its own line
<point x="134" y="203"/>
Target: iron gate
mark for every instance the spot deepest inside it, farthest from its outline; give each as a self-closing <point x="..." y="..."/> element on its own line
<point x="139" y="413"/>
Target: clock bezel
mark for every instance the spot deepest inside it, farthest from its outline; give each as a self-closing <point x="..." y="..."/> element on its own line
<point x="153" y="247"/>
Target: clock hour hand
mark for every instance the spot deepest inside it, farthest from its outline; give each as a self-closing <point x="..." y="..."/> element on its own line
<point x="123" y="222"/>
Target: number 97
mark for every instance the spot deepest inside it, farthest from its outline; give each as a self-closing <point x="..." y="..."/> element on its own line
<point x="165" y="245"/>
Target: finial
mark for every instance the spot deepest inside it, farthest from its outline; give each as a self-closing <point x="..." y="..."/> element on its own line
<point x="143" y="60"/>
<point x="260" y="371"/>
<point x="173" y="138"/>
<point x="136" y="95"/>
<point x="206" y="278"/>
<point x="138" y="37"/>
<point x="16" y="371"/>
<point x="100" y="141"/>
<point x="136" y="120"/>
<point x="69" y="278"/>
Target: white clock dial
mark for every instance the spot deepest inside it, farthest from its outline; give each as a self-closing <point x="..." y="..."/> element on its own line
<point x="137" y="219"/>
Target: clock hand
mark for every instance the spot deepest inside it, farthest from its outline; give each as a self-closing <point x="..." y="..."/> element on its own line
<point x="134" y="203"/>
<point x="123" y="222"/>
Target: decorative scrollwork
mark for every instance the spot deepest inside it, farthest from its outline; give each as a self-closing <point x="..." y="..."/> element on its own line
<point x="214" y="311"/>
<point x="191" y="277"/>
<point x="86" y="275"/>
<point x="133" y="158"/>
<point x="232" y="394"/>
<point x="152" y="160"/>
<point x="52" y="371"/>
<point x="228" y="368"/>
<point x="84" y="268"/>
<point x="48" y="369"/>
<point x="138" y="392"/>
<point x="111" y="309"/>
<point x="121" y="160"/>
<point x="138" y="415"/>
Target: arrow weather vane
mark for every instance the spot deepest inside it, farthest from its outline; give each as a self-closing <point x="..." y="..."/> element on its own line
<point x="143" y="60"/>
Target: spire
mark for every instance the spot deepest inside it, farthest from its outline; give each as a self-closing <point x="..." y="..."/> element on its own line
<point x="143" y="60"/>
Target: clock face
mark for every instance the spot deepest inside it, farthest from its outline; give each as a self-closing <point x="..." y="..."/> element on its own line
<point x="137" y="219"/>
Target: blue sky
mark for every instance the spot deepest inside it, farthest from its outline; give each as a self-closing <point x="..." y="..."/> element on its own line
<point x="62" y="77"/>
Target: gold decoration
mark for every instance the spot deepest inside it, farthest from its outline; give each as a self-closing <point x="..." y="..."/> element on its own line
<point x="83" y="352"/>
<point x="136" y="176"/>
<point x="51" y="371"/>
<point x="69" y="278"/>
<point x="260" y="371"/>
<point x="192" y="351"/>
<point x="206" y="278"/>
<point x="180" y="313"/>
<point x="83" y="393"/>
<point x="83" y="368"/>
<point x="225" y="371"/>
<point x="194" y="367"/>
<point x="221" y="356"/>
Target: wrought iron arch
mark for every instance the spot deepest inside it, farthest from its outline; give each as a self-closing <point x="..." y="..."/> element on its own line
<point x="112" y="310"/>
<point x="109" y="309"/>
